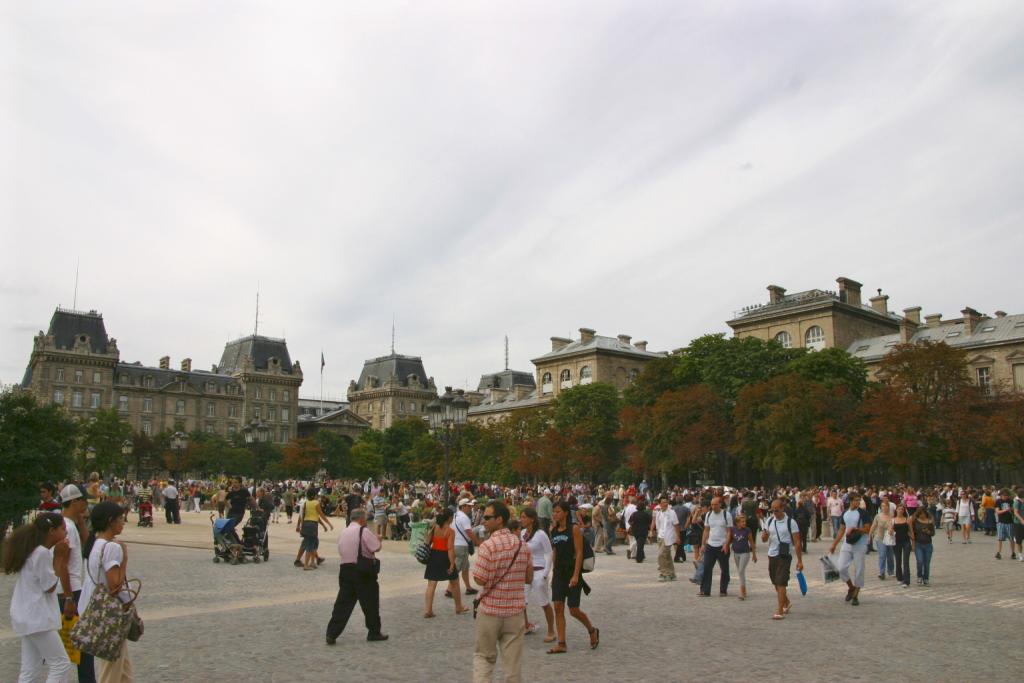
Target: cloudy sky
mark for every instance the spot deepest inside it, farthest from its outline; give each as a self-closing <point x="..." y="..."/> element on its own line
<point x="480" y="169"/>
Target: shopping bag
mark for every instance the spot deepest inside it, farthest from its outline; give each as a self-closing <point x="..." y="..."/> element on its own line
<point x="802" y="581"/>
<point x="74" y="654"/>
<point x="830" y="572"/>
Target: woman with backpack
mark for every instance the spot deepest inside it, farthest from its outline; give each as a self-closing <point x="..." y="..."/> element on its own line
<point x="35" y="614"/>
<point x="567" y="575"/>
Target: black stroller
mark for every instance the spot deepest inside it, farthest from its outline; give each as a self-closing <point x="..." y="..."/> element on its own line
<point x="254" y="537"/>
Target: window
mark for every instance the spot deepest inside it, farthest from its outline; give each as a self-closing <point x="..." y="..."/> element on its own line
<point x="122" y="403"/>
<point x="633" y="374"/>
<point x="545" y="383"/>
<point x="211" y="409"/>
<point x="784" y="339"/>
<point x="209" y="428"/>
<point x="147" y="405"/>
<point x="369" y="407"/>
<point x="814" y="339"/>
<point x="232" y="410"/>
<point x="412" y="406"/>
<point x="232" y="390"/>
<point x="76" y="399"/>
<point x="286" y="395"/>
<point x="58" y="396"/>
<point x="954" y="333"/>
<point x="285" y="434"/>
<point x="78" y="376"/>
<point x="286" y="414"/>
<point x="256" y="413"/>
<point x="891" y="343"/>
<point x="586" y="375"/>
<point x="211" y="388"/>
<point x="147" y="427"/>
<point x="988" y="328"/>
<point x="863" y="347"/>
<point x="271" y="412"/>
<point x="179" y="407"/>
<point x="60" y="374"/>
<point x="97" y="378"/>
<point x="94" y="400"/>
<point x="258" y="392"/>
<point x="124" y="378"/>
<point x="147" y="382"/>
<point x="232" y="429"/>
<point x="565" y="379"/>
<point x="401" y="406"/>
<point x="273" y="394"/>
<point x="985" y="380"/>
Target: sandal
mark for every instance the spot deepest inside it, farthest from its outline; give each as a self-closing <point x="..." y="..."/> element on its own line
<point x="550" y="639"/>
<point x="530" y="629"/>
<point x="559" y="649"/>
<point x="595" y="638"/>
<point x="462" y="611"/>
<point x="429" y="615"/>
<point x="778" y="617"/>
<point x="789" y="606"/>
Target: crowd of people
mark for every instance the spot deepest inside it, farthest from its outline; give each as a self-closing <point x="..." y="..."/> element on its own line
<point x="511" y="550"/>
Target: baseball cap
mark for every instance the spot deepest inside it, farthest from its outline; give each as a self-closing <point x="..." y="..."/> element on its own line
<point x="70" y="492"/>
<point x="464" y="501"/>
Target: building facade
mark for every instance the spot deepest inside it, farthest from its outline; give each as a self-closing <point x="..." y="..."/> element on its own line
<point x="76" y="365"/>
<point x="390" y="388"/>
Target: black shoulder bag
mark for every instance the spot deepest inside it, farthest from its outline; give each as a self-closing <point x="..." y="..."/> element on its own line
<point x="364" y="564"/>
<point x="853" y="535"/>
<point x="476" y="603"/>
<point x="783" y="547"/>
<point x="469" y="544"/>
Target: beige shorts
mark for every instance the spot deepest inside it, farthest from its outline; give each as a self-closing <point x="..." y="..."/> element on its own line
<point x="461" y="558"/>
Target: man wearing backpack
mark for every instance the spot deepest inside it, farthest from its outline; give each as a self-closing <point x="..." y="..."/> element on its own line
<point x="714" y="547"/>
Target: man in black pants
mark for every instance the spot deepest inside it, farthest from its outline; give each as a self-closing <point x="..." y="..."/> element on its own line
<point x="354" y="584"/>
<point x="715" y="547"/>
<point x="171" y="511"/>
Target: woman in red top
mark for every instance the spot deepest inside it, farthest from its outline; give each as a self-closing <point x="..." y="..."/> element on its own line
<point x="441" y="564"/>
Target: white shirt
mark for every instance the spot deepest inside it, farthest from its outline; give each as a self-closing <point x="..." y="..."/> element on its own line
<point x="94" y="575"/>
<point x="32" y="608"/>
<point x="540" y="550"/>
<point x="75" y="558"/>
<point x="963" y="508"/>
<point x="462" y="523"/>
<point x="170" y="492"/>
<point x="780" y="532"/>
<point x="854" y="519"/>
<point x="627" y="513"/>
<point x="718" y="525"/>
<point x="666" y="521"/>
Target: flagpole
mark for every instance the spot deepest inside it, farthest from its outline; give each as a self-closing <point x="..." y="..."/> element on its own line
<point x="321" y="382"/>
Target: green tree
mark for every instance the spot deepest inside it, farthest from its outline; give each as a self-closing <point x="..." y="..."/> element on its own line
<point x="832" y="367"/>
<point x="106" y="433"/>
<point x="337" y="452"/>
<point x="36" y="443"/>
<point x="367" y="460"/>
<point x="729" y="364"/>
<point x="398" y="439"/>
<point x="658" y="376"/>
<point x="586" y="418"/>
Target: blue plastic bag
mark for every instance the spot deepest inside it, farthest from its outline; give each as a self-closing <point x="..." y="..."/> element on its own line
<point x="802" y="581"/>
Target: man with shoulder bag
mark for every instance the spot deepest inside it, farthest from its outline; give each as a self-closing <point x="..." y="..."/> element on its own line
<point x="357" y="579"/>
<point x="782" y="534"/>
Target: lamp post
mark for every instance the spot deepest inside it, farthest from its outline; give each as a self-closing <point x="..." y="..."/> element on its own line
<point x="90" y="461"/>
<point x="447" y="417"/>
<point x="126" y="451"/>
<point x="255" y="431"/>
<point x="179" y="441"/>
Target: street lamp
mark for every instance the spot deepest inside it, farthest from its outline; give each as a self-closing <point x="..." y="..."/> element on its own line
<point x="447" y="417"/>
<point x="126" y="451"/>
<point x="179" y="440"/>
<point x="255" y="431"/>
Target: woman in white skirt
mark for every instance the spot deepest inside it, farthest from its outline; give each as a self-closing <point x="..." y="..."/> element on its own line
<point x="538" y="593"/>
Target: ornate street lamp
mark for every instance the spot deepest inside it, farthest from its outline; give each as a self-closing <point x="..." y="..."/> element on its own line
<point x="126" y="451"/>
<point x="448" y="415"/>
<point x="179" y="441"/>
<point x="255" y="431"/>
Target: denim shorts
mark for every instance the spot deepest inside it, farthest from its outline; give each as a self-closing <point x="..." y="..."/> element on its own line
<point x="1004" y="532"/>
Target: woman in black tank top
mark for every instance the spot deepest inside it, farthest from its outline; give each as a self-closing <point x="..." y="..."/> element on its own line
<point x="567" y="580"/>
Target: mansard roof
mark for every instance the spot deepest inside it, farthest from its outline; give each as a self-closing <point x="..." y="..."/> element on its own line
<point x="67" y="325"/>
<point x="506" y="379"/>
<point x="259" y="349"/>
<point x="402" y="368"/>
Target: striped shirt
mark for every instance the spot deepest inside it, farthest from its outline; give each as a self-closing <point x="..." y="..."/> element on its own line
<point x="507" y="598"/>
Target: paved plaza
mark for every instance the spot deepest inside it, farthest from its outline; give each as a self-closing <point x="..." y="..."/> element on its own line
<point x="207" y="621"/>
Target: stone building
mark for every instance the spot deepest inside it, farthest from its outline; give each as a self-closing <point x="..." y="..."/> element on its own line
<point x="333" y="416"/>
<point x="817" y="319"/>
<point x="499" y="393"/>
<point x="390" y="388"/>
<point x="77" y="366"/>
<point x="994" y="345"/>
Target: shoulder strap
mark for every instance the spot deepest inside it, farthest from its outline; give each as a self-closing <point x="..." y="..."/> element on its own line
<point x="511" y="564"/>
<point x="359" y="552"/>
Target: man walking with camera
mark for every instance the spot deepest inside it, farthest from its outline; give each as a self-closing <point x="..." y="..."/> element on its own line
<point x="783" y="537"/>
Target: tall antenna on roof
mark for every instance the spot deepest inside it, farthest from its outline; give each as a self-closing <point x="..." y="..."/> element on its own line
<point x="392" y="334"/>
<point x="256" y="327"/>
<point x="74" y="303"/>
<point x="506" y="352"/>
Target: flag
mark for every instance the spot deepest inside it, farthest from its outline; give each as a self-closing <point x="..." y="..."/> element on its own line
<point x="322" y="363"/>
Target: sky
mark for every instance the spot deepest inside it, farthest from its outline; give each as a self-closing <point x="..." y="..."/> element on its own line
<point x="471" y="170"/>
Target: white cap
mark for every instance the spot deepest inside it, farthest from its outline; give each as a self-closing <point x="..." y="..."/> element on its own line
<point x="70" y="492"/>
<point x="464" y="501"/>
<point x="547" y="492"/>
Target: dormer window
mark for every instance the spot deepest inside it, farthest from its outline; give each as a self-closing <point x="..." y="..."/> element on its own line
<point x="586" y="375"/>
<point x="545" y="383"/>
<point x="565" y="379"/>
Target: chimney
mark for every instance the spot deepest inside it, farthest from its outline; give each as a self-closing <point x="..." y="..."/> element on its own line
<point x="933" y="319"/>
<point x="186" y="365"/>
<point x="880" y="303"/>
<point x="849" y="291"/>
<point x="775" y="294"/>
<point x="1000" y="314"/>
<point x="913" y="314"/>
<point x="642" y="345"/>
<point x="165" y="363"/>
<point x="586" y="335"/>
<point x="971" y="319"/>
<point x="559" y="343"/>
<point x="625" y="339"/>
<point x="907" y="330"/>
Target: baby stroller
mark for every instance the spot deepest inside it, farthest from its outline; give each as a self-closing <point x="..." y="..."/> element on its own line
<point x="226" y="544"/>
<point x="146" y="513"/>
<point x="254" y="537"/>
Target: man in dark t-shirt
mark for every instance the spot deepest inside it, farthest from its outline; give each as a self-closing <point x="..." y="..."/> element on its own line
<point x="237" y="500"/>
<point x="1004" y="523"/>
<point x="353" y="501"/>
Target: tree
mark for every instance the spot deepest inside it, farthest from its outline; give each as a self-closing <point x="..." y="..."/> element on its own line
<point x="587" y="420"/>
<point x="728" y="365"/>
<point x="367" y="460"/>
<point x="1004" y="429"/>
<point x="302" y="458"/>
<point x="397" y="440"/>
<point x="658" y="376"/>
<point x="36" y="443"/>
<point x="105" y="433"/>
<point x="832" y="367"/>
<point x="337" y="452"/>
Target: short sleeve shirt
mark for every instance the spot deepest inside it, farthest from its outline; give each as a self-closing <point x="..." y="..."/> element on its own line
<point x="780" y="531"/>
<point x="504" y="595"/>
<point x="462" y="526"/>
<point x="32" y="608"/>
<point x="718" y="524"/>
<point x="854" y="519"/>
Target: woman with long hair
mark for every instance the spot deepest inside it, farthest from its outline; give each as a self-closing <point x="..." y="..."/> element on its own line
<point x="107" y="566"/>
<point x="882" y="536"/>
<point x="538" y="593"/>
<point x="965" y="515"/>
<point x="923" y="530"/>
<point x="441" y="564"/>
<point x="35" y="614"/>
<point x="904" y="544"/>
<point x="567" y="578"/>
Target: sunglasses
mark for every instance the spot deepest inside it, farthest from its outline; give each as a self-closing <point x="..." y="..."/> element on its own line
<point x="488" y="518"/>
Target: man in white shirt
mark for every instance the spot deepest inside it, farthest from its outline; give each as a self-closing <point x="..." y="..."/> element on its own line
<point x="626" y="514"/>
<point x="464" y="536"/>
<point x="715" y="547"/>
<point x="171" y="510"/>
<point x="666" y="522"/>
<point x="783" y="537"/>
<point x="74" y="507"/>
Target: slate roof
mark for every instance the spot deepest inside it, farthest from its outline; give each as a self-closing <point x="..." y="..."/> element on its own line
<point x="197" y="379"/>
<point x="506" y="379"/>
<point x="509" y="402"/>
<point x="66" y="325"/>
<point x="989" y="332"/>
<point x="613" y="344"/>
<point x="393" y="365"/>
<point x="257" y="347"/>
<point x="811" y="296"/>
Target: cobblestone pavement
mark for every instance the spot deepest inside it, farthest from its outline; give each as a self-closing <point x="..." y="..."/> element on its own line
<point x="205" y="621"/>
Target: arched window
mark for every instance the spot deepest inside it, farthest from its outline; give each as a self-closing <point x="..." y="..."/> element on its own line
<point x="565" y="379"/>
<point x="586" y="375"/>
<point x="784" y="340"/>
<point x="814" y="338"/>
<point x="633" y="374"/>
<point x="545" y="383"/>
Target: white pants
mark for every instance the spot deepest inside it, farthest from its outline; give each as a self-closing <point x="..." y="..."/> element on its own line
<point x="45" y="646"/>
<point x="852" y="556"/>
<point x="197" y="505"/>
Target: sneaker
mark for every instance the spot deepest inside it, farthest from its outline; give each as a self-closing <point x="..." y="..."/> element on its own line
<point x="999" y="556"/>
<point x="629" y="554"/>
<point x="906" y="585"/>
<point x="855" y="602"/>
<point x="881" y="577"/>
<point x="849" y="594"/>
<point x="471" y="591"/>
<point x="297" y="563"/>
<point x="377" y="636"/>
<point x="924" y="582"/>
